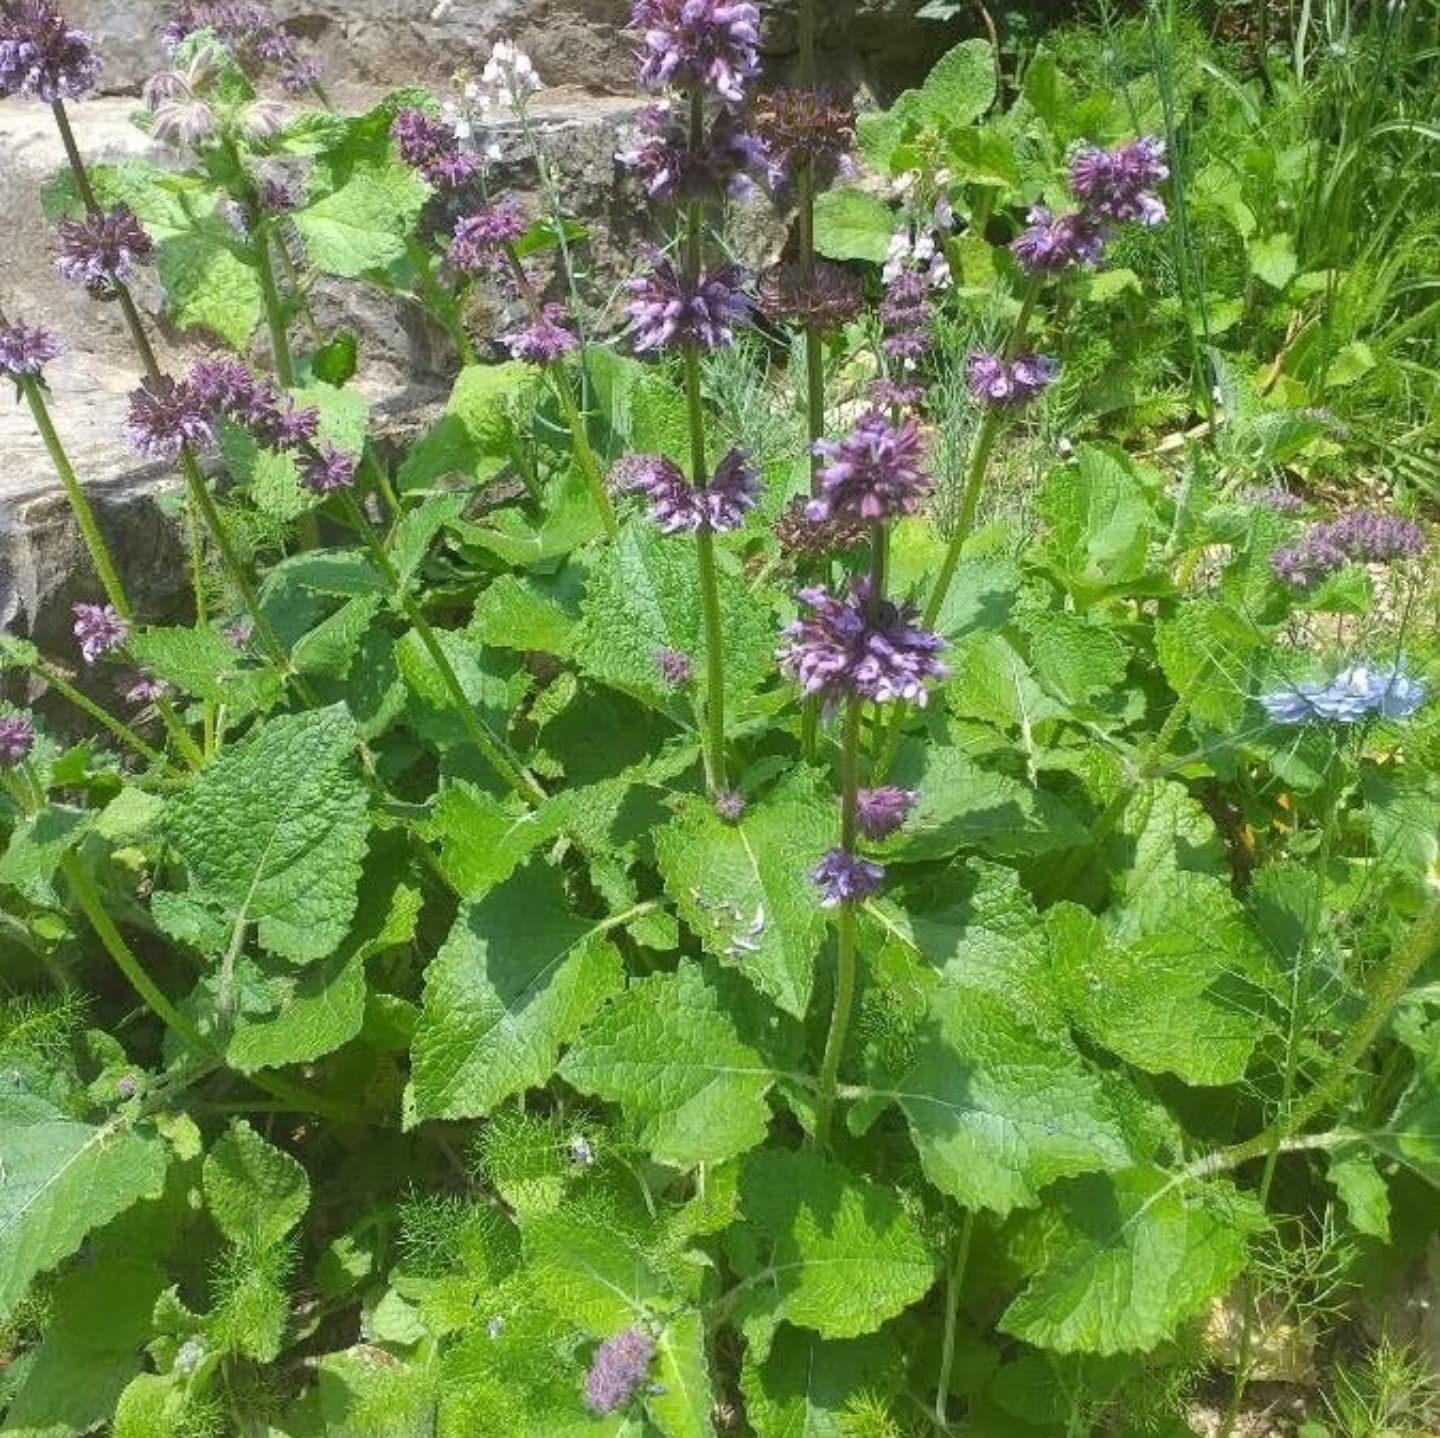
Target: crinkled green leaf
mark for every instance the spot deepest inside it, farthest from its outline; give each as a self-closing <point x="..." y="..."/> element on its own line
<point x="1099" y="523"/>
<point x="274" y="831"/>
<point x="205" y="665"/>
<point x="805" y="1384"/>
<point x="60" y="1179"/>
<point x="256" y="1193"/>
<point x="360" y="225"/>
<point x="516" y="613"/>
<point x="518" y="978"/>
<point x="484" y="838"/>
<point x="745" y="890"/>
<point x="687" y="1057"/>
<point x="851" y="224"/>
<point x="37" y="847"/>
<point x="590" y="1266"/>
<point x="998" y="1110"/>
<point x="840" y="1254"/>
<point x="210" y="282"/>
<point x="1137" y="1254"/>
<point x="682" y="1397"/>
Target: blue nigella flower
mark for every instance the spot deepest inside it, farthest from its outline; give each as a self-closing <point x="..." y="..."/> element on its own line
<point x="1355" y="693"/>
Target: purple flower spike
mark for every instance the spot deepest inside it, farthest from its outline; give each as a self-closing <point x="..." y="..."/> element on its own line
<point x="328" y="471"/>
<point x="1271" y="496"/>
<point x="845" y="878"/>
<point x="144" y="688"/>
<point x="1049" y="246"/>
<point x="994" y="381"/>
<point x="676" y="506"/>
<point x="101" y="248"/>
<point x="873" y="473"/>
<point x="1370" y="538"/>
<point x="798" y="127"/>
<point x="730" y="806"/>
<point x="1307" y="563"/>
<point x="42" y="57"/>
<point x="825" y="302"/>
<point x="733" y="491"/>
<point x="1118" y="184"/>
<point x="882" y="811"/>
<point x="667" y="310"/>
<point x="26" y="350"/>
<point x="165" y="416"/>
<point x="480" y="239"/>
<point x="712" y="44"/>
<point x="670" y="169"/>
<point x="619" y="1368"/>
<point x="543" y="340"/>
<point x="99" y="629"/>
<point x="844" y="649"/>
<point x="675" y="667"/>
<point x="892" y="394"/>
<point x="17" y="738"/>
<point x="431" y="147"/>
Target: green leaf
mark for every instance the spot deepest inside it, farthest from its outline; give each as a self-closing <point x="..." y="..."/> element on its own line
<point x="1272" y="259"/>
<point x="333" y="645"/>
<point x="745" y="890"/>
<point x="841" y="1255"/>
<point x="1076" y="660"/>
<point x="518" y="612"/>
<point x="100" y="1319"/>
<point x="336" y="361"/>
<point x="210" y="282"/>
<point x="682" y="1398"/>
<point x="484" y="838"/>
<point x="1099" y="523"/>
<point x="1362" y="1190"/>
<point x="38" y="845"/>
<point x="479" y="423"/>
<point x="961" y="85"/>
<point x="644" y="596"/>
<point x="996" y="1110"/>
<point x="983" y="155"/>
<point x="591" y="1266"/>
<point x="316" y="1012"/>
<point x="1208" y="652"/>
<point x="204" y="664"/>
<point x="59" y="1180"/>
<point x="1139" y="1252"/>
<point x="518" y="978"/>
<point x="256" y="1193"/>
<point x="362" y="224"/>
<point x="804" y="1386"/>
<point x="274" y="831"/>
<point x="681" y="1054"/>
<point x="851" y="224"/>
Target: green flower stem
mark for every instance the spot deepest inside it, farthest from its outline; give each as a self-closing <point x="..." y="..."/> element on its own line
<point x="846" y="965"/>
<point x="82" y="886"/>
<point x="87" y="706"/>
<point x="805" y="23"/>
<point x="440" y="304"/>
<point x="491" y="748"/>
<point x="954" y="1280"/>
<point x="814" y="349"/>
<point x="274" y="308"/>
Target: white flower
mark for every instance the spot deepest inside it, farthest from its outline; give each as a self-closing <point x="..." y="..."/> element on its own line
<point x="463" y="129"/>
<point x="906" y="182"/>
<point x="924" y="250"/>
<point x="940" y="276"/>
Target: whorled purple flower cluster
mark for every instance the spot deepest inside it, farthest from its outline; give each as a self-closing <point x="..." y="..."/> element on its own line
<point x="905" y="316"/>
<point x="98" y="249"/>
<point x="41" y="56"/>
<point x="666" y="309"/>
<point x="844" y="878"/>
<point x="166" y="415"/>
<point x="994" y="380"/>
<point x="545" y="339"/>
<point x="98" y="628"/>
<point x="1119" y="184"/>
<point x="675" y="506"/>
<point x="618" y="1370"/>
<point x="481" y="239"/>
<point x="670" y="169"/>
<point x="848" y="647"/>
<point x="824" y="301"/>
<point x="1357" y="692"/>
<point x="730" y="805"/>
<point x="25" y="350"/>
<point x="431" y="147"/>
<point x="880" y="812"/>
<point x="327" y="470"/>
<point x="895" y="394"/>
<point x="227" y="388"/>
<point x="707" y="44"/>
<point x="1361" y="537"/>
<point x="873" y="473"/>
<point x="798" y="127"/>
<point x="1271" y="496"/>
<point x="1048" y="245"/>
<point x="675" y="667"/>
<point x="252" y="34"/>
<point x="143" y="687"/>
<point x="17" y="739"/>
<point x="799" y="534"/>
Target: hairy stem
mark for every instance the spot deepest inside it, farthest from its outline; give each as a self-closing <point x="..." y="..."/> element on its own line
<point x="280" y="352"/>
<point x="954" y="1280"/>
<point x="87" y="706"/>
<point x="440" y="304"/>
<point x="814" y="349"/>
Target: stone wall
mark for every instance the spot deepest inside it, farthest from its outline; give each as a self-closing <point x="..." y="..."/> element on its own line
<point x="879" y="43"/>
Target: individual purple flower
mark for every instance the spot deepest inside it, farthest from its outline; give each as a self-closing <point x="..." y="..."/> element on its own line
<point x="545" y="339"/>
<point x="798" y="127"/>
<point x="733" y="491"/>
<point x="481" y="239"/>
<point x="1357" y="692"/>
<point x="1271" y="496"/>
<point x="619" y="1368"/>
<point x="730" y="805"/>
<point x="99" y="629"/>
<point x="1367" y="537"/>
<point x="824" y="300"/>
<point x="850" y="647"/>
<point x="431" y="147"/>
<point x="671" y="168"/>
<point x="41" y="56"/>
<point x="993" y="380"/>
<point x="880" y="812"/>
<point x="668" y="310"/>
<point x="845" y="878"/>
<point x="1118" y="184"/>
<point x="144" y="688"/>
<point x="165" y="416"/>
<point x="328" y="470"/>
<point x="873" y="473"/>
<point x="1048" y="245"/>
<point x="712" y="44"/>
<point x="26" y="349"/>
<point x="100" y="248"/>
<point x="17" y="738"/>
<point x="675" y="667"/>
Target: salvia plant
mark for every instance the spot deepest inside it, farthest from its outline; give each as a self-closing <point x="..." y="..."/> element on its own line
<point x="845" y="850"/>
